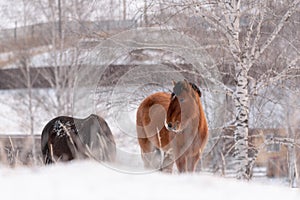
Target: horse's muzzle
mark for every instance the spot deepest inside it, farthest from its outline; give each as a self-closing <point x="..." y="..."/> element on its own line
<point x="174" y="127"/>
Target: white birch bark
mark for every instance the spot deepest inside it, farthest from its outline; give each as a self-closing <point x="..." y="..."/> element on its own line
<point x="241" y="100"/>
<point x="244" y="57"/>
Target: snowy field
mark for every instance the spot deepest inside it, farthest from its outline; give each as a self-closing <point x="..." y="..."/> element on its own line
<point x="91" y="180"/>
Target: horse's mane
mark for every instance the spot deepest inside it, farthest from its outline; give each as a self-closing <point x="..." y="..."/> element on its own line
<point x="195" y="87"/>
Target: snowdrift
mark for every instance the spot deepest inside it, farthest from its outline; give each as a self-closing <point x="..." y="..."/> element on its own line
<point x="91" y="180"/>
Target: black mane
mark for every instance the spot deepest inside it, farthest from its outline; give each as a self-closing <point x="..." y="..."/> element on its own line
<point x="195" y="87"/>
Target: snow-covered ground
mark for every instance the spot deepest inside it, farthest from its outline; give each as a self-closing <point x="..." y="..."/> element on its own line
<point x="91" y="180"/>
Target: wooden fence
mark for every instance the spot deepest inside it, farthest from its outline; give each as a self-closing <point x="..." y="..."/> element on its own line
<point x="18" y="150"/>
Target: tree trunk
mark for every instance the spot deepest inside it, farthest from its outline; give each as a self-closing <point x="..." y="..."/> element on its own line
<point x="292" y="167"/>
<point x="145" y="13"/>
<point x="242" y="114"/>
<point x="124" y="10"/>
<point x="59" y="20"/>
<point x="30" y="108"/>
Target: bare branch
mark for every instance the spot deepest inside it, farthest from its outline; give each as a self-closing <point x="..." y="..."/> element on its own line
<point x="293" y="7"/>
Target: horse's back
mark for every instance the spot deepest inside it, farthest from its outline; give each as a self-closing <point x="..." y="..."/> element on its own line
<point x="150" y="120"/>
<point x="97" y="135"/>
<point x="150" y="107"/>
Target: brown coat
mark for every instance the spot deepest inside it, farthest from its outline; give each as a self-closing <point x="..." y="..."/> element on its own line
<point x="182" y="146"/>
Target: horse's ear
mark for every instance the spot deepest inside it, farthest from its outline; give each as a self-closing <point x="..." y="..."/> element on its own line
<point x="186" y="84"/>
<point x="173" y="82"/>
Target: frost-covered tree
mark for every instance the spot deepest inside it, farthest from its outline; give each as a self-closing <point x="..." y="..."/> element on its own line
<point x="249" y="33"/>
<point x="246" y="50"/>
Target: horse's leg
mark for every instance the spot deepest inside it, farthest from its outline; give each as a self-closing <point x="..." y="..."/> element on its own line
<point x="181" y="163"/>
<point x="168" y="161"/>
<point x="192" y="162"/>
<point x="145" y="145"/>
<point x="150" y="154"/>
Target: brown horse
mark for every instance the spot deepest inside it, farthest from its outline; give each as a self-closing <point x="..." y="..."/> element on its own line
<point x="66" y="138"/>
<point x="172" y="127"/>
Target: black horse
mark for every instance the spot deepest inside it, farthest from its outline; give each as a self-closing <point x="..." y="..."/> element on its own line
<point x="67" y="138"/>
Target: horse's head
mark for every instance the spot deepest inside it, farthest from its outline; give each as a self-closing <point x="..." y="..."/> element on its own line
<point x="183" y="106"/>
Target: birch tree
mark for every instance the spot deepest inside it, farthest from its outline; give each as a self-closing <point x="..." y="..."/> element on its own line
<point x="247" y="31"/>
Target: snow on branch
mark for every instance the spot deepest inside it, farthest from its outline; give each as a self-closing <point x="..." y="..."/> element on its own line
<point x="290" y="71"/>
<point x="293" y="8"/>
<point x="258" y="31"/>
